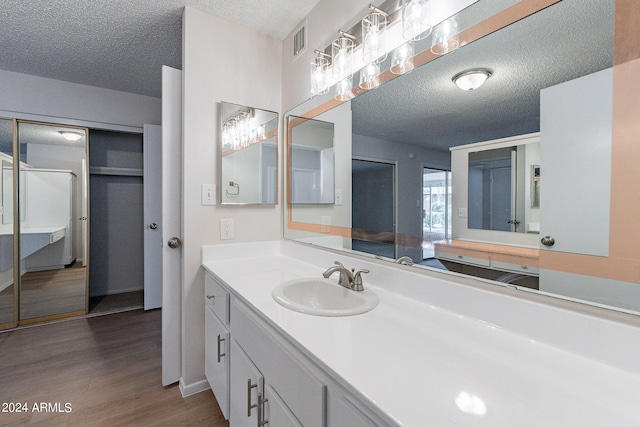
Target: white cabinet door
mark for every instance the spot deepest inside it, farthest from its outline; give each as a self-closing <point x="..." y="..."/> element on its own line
<point x="575" y="164"/>
<point x="246" y="387"/>
<point x="276" y="411"/>
<point x="217" y="359"/>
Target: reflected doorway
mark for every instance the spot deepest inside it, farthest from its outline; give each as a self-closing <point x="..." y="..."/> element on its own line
<point x="436" y="208"/>
<point x="373" y="207"/>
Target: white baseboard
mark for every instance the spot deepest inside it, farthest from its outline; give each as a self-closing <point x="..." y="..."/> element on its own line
<point x="191" y="389"/>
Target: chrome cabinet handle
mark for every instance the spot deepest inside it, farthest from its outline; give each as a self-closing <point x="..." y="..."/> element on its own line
<point x="548" y="241"/>
<point x="261" y="402"/>
<point x="220" y="355"/>
<point x="211" y="296"/>
<point x="249" y="405"/>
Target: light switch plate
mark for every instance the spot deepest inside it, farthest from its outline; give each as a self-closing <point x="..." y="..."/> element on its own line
<point x="208" y="194"/>
<point x="462" y="212"/>
<point x="338" y="197"/>
<point x="226" y="229"/>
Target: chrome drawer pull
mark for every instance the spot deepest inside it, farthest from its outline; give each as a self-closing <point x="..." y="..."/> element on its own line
<point x="220" y="355"/>
<point x="249" y="405"/>
<point x="261" y="403"/>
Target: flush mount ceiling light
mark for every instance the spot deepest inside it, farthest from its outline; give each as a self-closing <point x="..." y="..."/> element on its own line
<point x="471" y="79"/>
<point x="70" y="136"/>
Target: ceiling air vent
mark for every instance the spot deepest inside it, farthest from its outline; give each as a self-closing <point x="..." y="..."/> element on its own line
<point x="300" y="41"/>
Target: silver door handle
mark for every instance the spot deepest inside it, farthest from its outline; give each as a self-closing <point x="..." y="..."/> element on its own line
<point x="153" y="226"/>
<point x="174" y="243"/>
<point x="548" y="241"/>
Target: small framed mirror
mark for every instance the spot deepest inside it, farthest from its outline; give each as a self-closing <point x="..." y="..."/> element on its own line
<point x="312" y="165"/>
<point x="249" y="155"/>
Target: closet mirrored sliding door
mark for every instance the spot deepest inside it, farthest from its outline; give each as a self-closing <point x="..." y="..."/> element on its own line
<point x="52" y="210"/>
<point x="8" y="290"/>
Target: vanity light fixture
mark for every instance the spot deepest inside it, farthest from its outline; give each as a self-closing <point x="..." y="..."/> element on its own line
<point x="415" y="19"/>
<point x="402" y="59"/>
<point x="471" y="79"/>
<point x="342" y="55"/>
<point x="70" y="136"/>
<point x="320" y="67"/>
<point x="445" y="37"/>
<point x="240" y="130"/>
<point x="374" y="27"/>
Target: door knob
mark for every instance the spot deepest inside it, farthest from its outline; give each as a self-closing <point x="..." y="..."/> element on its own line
<point x="174" y="243"/>
<point x="153" y="226"/>
<point x="548" y="241"/>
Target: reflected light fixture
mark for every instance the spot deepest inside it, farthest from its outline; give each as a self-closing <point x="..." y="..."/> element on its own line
<point x="70" y="136"/>
<point x="470" y="404"/>
<point x="320" y="73"/>
<point x="342" y="55"/>
<point x="471" y="79"/>
<point x="370" y="76"/>
<point x="343" y="89"/>
<point x="402" y="59"/>
<point x="374" y="27"/>
<point x="445" y="37"/>
<point x="415" y="19"/>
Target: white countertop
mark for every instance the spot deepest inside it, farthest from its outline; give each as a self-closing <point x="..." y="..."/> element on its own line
<point x="413" y="357"/>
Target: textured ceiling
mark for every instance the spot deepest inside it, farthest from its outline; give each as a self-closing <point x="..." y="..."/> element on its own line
<point x="120" y="44"/>
<point x="424" y="107"/>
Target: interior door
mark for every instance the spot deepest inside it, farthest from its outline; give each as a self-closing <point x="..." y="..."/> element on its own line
<point x="171" y="223"/>
<point x="152" y="150"/>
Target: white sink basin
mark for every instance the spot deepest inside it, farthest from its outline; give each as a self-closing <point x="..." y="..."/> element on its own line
<point x="323" y="297"/>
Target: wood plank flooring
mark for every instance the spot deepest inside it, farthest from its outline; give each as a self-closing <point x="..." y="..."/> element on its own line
<point x="108" y="368"/>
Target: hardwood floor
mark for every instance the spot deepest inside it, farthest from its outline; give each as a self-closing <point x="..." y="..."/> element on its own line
<point x="107" y="369"/>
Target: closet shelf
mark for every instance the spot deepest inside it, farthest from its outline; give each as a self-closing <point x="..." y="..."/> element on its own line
<point x="103" y="170"/>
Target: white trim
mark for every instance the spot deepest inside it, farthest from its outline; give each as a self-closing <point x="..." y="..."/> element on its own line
<point x="499" y="142"/>
<point x="191" y="389"/>
<point x="69" y="121"/>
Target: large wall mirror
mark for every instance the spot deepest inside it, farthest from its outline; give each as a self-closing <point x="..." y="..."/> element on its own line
<point x="552" y="50"/>
<point x="249" y="157"/>
<point x="45" y="215"/>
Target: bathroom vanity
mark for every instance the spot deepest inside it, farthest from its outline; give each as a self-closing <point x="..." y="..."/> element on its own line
<point x="437" y="350"/>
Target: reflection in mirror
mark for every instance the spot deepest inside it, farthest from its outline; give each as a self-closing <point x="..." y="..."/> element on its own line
<point x="7" y="288"/>
<point x="53" y="223"/>
<point x="500" y="184"/>
<point x="248" y="169"/>
<point x="312" y="161"/>
<point x="414" y="120"/>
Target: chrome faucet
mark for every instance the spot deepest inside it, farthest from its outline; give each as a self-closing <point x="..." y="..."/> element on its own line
<point x="349" y="279"/>
<point x="404" y="260"/>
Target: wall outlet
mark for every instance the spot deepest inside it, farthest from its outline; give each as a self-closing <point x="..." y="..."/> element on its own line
<point x="226" y="229"/>
<point x="338" y="197"/>
<point x="462" y="212"/>
<point x="208" y="194"/>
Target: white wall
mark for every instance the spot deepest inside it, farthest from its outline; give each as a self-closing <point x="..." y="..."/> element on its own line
<point x="323" y="24"/>
<point x="37" y="98"/>
<point x="222" y="61"/>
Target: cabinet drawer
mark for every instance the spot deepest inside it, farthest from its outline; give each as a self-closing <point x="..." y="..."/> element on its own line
<point x="217" y="354"/>
<point x="217" y="298"/>
<point x="516" y="268"/>
<point x="299" y="389"/>
<point x="463" y="259"/>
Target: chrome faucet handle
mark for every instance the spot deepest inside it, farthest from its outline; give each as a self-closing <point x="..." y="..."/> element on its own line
<point x="357" y="280"/>
<point x="338" y="263"/>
